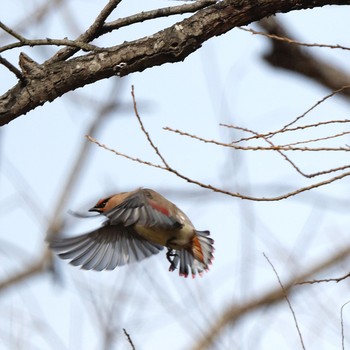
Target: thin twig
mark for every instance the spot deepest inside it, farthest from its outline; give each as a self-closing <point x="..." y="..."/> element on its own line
<point x="11" y="32"/>
<point x="342" y="325"/>
<point x="219" y="190"/>
<point x="279" y="149"/>
<point x="258" y="148"/>
<point x="317" y="140"/>
<point x="145" y="131"/>
<point x="210" y="187"/>
<point x="291" y="41"/>
<point x="53" y="42"/>
<point x="157" y="13"/>
<point x="333" y="93"/>
<point x="11" y="68"/>
<point x="22" y="41"/>
<point x="90" y="34"/>
<point x="129" y="339"/>
<point x="288" y="301"/>
<point x="134" y="159"/>
<point x="37" y="14"/>
<point x="284" y="129"/>
<point x="337" y="280"/>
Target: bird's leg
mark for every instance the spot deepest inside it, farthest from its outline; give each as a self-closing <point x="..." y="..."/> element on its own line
<point x="169" y="255"/>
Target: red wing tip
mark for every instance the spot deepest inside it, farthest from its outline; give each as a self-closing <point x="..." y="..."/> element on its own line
<point x="200" y="274"/>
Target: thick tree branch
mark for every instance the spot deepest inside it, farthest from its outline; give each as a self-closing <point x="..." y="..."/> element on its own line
<point x="48" y="81"/>
<point x="291" y="57"/>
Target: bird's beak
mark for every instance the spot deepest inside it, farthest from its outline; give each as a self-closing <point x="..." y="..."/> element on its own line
<point x="98" y="210"/>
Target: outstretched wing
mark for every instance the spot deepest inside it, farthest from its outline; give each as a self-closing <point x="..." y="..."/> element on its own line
<point x="140" y="208"/>
<point x="105" y="248"/>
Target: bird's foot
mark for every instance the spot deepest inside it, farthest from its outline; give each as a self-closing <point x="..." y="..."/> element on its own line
<point x="170" y="255"/>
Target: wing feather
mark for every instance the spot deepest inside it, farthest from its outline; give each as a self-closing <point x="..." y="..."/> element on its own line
<point x="105" y="248"/>
<point x="138" y="209"/>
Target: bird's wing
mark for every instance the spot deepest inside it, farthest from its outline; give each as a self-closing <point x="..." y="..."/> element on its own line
<point x="105" y="248"/>
<point x="141" y="210"/>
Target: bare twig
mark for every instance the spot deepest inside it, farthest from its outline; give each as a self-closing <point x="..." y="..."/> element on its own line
<point x="37" y="14"/>
<point x="12" y="32"/>
<point x="285" y="129"/>
<point x="219" y="190"/>
<point x="291" y="41"/>
<point x="22" y="41"/>
<point x="158" y="13"/>
<point x="90" y="34"/>
<point x="318" y="139"/>
<point x="288" y="301"/>
<point x="11" y="68"/>
<point x="337" y="280"/>
<point x="293" y="58"/>
<point x="279" y="150"/>
<point x="145" y="131"/>
<point x="129" y="339"/>
<point x="52" y="42"/>
<point x="342" y="325"/>
<point x="166" y="166"/>
<point x="261" y="148"/>
<point x="333" y="93"/>
<point x="134" y="159"/>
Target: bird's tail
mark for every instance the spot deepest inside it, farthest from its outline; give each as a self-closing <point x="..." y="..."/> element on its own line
<point x="198" y="258"/>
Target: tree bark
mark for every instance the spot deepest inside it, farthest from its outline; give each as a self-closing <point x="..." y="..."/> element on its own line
<point x="45" y="82"/>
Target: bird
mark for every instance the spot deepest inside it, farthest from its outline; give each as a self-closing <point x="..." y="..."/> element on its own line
<point x="137" y="225"/>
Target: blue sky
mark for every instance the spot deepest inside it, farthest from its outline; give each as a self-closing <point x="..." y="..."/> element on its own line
<point x="225" y="81"/>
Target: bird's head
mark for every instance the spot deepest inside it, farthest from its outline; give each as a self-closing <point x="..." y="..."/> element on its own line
<point x="101" y="206"/>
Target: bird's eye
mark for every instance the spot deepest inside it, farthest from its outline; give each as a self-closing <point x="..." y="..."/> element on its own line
<point x="102" y="203"/>
<point x="148" y="194"/>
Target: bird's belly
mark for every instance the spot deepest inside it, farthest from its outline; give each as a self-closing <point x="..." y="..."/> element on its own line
<point x="175" y="239"/>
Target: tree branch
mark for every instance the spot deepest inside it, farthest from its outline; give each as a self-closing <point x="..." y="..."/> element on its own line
<point x="54" y="78"/>
<point x="90" y="34"/>
<point x="291" y="57"/>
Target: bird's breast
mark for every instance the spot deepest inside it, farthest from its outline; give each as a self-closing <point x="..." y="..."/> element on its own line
<point x="175" y="239"/>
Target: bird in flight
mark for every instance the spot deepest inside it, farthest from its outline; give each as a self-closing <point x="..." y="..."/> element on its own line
<point x="138" y="224"/>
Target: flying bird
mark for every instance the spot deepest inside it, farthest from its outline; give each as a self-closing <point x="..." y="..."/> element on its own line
<point x="138" y="224"/>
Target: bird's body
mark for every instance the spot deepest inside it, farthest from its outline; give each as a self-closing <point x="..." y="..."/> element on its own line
<point x="139" y="224"/>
